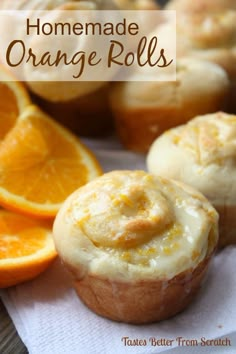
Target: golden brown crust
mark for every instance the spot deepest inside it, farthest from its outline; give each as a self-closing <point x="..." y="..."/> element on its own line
<point x="141" y="301"/>
<point x="227" y="225"/>
<point x="138" y="128"/>
<point x="232" y="98"/>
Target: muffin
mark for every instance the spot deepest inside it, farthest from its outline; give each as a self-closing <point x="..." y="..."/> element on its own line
<point x="210" y="35"/>
<point x="202" y="153"/>
<point x="137" y="246"/>
<point x="144" y="110"/>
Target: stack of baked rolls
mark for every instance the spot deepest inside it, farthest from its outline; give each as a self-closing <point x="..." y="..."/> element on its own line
<point x="143" y="110"/>
<point x="137" y="245"/>
<point x="206" y="33"/>
<point x="202" y="153"/>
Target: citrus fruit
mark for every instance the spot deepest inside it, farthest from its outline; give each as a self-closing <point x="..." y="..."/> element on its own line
<point x="13" y="100"/>
<point x="26" y="248"/>
<point x="41" y="163"/>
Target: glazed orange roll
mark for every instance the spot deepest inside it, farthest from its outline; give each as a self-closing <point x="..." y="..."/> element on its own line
<point x="202" y="153"/>
<point x="137" y="245"/>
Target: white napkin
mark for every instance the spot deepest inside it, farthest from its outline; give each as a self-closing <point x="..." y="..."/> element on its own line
<point x="51" y="319"/>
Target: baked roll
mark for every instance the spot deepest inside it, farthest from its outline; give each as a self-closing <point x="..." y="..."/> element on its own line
<point x="207" y="30"/>
<point x="202" y="153"/>
<point x="209" y="36"/>
<point x="137" y="246"/>
<point x="144" y="110"/>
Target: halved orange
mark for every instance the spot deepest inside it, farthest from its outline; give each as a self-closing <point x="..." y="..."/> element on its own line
<point x="13" y="100"/>
<point x="41" y="163"/>
<point x="26" y="248"/>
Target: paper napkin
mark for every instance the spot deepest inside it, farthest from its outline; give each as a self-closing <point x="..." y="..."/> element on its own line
<point x="51" y="319"/>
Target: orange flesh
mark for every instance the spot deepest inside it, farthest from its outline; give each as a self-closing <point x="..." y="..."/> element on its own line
<point x="19" y="236"/>
<point x="8" y="109"/>
<point x="39" y="164"/>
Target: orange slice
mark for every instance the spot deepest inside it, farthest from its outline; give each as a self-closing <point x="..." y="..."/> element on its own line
<point x="41" y="163"/>
<point x="26" y="248"/>
<point x="13" y="100"/>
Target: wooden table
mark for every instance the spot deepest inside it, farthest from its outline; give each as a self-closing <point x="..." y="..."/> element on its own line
<point x="10" y="342"/>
